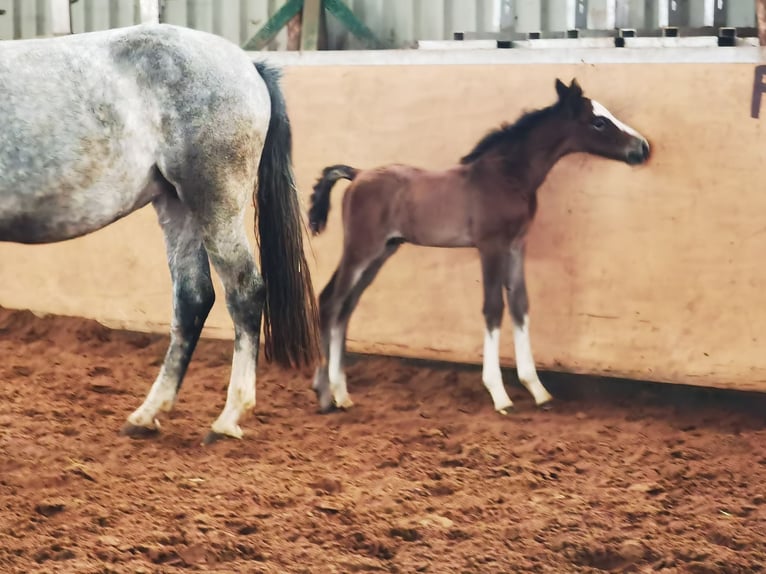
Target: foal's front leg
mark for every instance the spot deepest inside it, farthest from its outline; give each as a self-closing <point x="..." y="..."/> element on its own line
<point x="493" y="264"/>
<point x="518" y="304"/>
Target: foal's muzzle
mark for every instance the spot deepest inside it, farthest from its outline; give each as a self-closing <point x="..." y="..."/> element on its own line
<point x="638" y="153"/>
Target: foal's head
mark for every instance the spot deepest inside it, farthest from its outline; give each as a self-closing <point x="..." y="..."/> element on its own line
<point x="591" y="128"/>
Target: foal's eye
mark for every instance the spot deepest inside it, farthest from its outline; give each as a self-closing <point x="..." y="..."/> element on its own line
<point x="598" y="123"/>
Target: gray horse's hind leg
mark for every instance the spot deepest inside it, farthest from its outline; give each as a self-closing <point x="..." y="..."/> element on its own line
<point x="193" y="297"/>
<point x="233" y="259"/>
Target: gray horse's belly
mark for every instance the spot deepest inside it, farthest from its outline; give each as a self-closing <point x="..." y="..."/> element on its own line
<point x="77" y="145"/>
<point x="56" y="213"/>
<point x="50" y="194"/>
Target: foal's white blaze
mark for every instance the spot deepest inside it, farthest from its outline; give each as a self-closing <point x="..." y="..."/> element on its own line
<point x="161" y="397"/>
<point x="600" y="110"/>
<point x="240" y="396"/>
<point x="525" y="364"/>
<point x="491" y="374"/>
<point x="334" y="371"/>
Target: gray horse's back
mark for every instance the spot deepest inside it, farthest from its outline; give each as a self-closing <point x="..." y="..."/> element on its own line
<point x="92" y="120"/>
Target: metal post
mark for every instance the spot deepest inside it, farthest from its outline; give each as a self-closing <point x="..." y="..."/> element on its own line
<point x="720" y="13"/>
<point x="525" y="16"/>
<point x="661" y="13"/>
<point x="678" y="13"/>
<point x="581" y="14"/>
<point x="622" y="14"/>
<point x="310" y="24"/>
<point x="709" y="13"/>
<point x="602" y="14"/>
<point x="61" y="21"/>
<point x="150" y="11"/>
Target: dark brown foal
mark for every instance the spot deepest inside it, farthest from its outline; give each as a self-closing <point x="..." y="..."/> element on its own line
<point x="488" y="201"/>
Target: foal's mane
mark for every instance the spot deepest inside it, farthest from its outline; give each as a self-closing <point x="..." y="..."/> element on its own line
<point x="508" y="133"/>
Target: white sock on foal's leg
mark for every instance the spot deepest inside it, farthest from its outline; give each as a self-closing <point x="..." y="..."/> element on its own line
<point x="335" y="371"/>
<point x="525" y="364"/>
<point x="491" y="374"/>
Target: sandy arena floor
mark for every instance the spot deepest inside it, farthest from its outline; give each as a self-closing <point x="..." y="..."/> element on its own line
<point x="421" y="476"/>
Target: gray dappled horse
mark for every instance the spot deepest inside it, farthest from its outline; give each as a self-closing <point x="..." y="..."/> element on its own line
<point x="98" y="125"/>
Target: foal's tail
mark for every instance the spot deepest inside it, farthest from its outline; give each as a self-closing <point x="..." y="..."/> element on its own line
<point x="320" y="199"/>
<point x="290" y="313"/>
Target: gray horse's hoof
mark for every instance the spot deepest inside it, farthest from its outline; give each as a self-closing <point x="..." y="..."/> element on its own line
<point x="137" y="432"/>
<point x="507" y="410"/>
<point x="546" y="406"/>
<point x="212" y="437"/>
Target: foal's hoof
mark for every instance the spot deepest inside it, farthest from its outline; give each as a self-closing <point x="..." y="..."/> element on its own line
<point x="546" y="406"/>
<point x="213" y="437"/>
<point x="335" y="407"/>
<point x="344" y="403"/>
<point x="326" y="402"/>
<point x="139" y="432"/>
<point x="327" y="409"/>
<point x="507" y="410"/>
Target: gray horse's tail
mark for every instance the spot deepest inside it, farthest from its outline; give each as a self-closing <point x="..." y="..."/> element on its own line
<point x="320" y="199"/>
<point x="290" y="313"/>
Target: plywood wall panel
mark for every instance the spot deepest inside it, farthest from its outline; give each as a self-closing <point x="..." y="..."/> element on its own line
<point x="653" y="272"/>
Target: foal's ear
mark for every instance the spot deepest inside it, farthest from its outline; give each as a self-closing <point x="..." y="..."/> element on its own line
<point x="570" y="96"/>
<point x="575" y="89"/>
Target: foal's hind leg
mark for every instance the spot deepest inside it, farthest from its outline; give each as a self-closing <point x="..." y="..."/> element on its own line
<point x="518" y="303"/>
<point x="494" y="265"/>
<point x="321" y="381"/>
<point x="193" y="297"/>
<point x="336" y="304"/>
<point x="337" y="355"/>
<point x="329" y="374"/>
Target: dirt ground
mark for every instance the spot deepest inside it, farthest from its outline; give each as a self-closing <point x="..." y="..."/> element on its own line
<point x="421" y="476"/>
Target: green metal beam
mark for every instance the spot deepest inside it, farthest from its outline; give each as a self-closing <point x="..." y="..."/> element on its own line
<point x="312" y="10"/>
<point x="274" y="25"/>
<point x="342" y="12"/>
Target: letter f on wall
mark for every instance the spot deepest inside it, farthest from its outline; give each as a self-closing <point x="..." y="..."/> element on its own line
<point x="759" y="87"/>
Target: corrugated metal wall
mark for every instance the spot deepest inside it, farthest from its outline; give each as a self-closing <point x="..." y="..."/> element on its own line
<point x="400" y="22"/>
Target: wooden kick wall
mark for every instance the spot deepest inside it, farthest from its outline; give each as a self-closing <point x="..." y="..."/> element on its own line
<point x="655" y="272"/>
